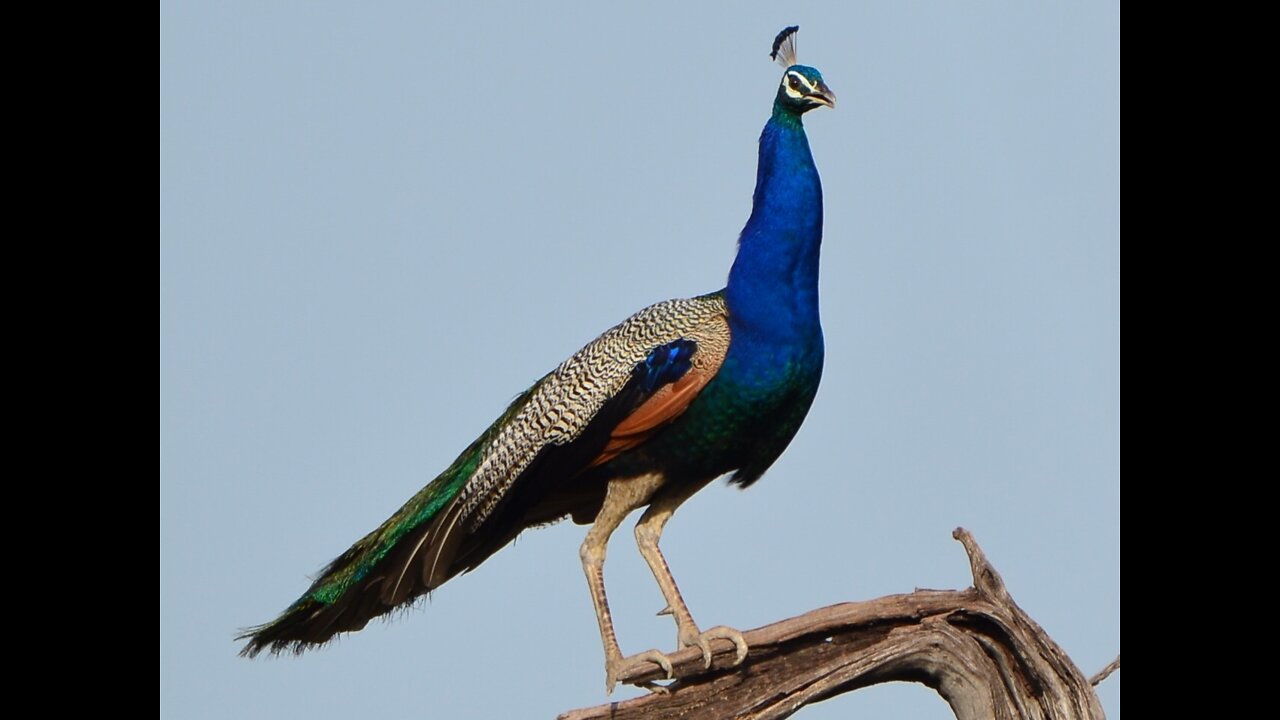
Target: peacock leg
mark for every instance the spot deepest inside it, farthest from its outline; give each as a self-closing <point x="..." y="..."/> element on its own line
<point x="621" y="498"/>
<point x="648" y="533"/>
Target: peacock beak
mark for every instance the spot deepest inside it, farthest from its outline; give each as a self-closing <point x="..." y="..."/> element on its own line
<point x="822" y="95"/>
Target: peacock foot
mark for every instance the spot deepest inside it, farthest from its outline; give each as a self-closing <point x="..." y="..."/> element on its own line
<point x="616" y="667"/>
<point x="689" y="636"/>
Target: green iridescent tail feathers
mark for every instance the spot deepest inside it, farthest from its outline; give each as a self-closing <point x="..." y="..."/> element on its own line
<point x="351" y="590"/>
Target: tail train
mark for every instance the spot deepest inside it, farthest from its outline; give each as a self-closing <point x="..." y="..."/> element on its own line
<point x="375" y="575"/>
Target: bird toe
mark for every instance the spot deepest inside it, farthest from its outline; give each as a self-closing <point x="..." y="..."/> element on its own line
<point x="721" y="632"/>
<point x="620" y="668"/>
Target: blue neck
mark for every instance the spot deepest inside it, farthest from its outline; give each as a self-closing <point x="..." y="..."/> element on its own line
<point x="773" y="287"/>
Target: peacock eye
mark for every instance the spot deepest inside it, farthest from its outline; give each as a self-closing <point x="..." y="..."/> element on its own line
<point x="795" y="84"/>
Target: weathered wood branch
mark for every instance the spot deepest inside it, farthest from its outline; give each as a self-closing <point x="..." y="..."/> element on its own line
<point x="1105" y="672"/>
<point x="975" y="647"/>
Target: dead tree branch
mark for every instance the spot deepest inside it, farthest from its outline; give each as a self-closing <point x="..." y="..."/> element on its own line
<point x="975" y="647"/>
<point x="1105" y="672"/>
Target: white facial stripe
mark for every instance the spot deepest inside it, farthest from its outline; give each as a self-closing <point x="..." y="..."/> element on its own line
<point x="804" y="81"/>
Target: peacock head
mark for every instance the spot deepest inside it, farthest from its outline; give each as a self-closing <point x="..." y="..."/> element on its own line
<point x="802" y="87"/>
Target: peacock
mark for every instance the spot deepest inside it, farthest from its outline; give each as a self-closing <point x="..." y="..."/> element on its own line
<point x="644" y="416"/>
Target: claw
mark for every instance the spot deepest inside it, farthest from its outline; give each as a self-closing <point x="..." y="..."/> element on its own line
<point x="705" y="646"/>
<point x="666" y="611"/>
<point x="615" y="669"/>
<point x="702" y="641"/>
<point x="733" y="636"/>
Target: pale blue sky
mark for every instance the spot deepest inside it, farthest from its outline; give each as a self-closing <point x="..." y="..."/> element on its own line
<point x="379" y="222"/>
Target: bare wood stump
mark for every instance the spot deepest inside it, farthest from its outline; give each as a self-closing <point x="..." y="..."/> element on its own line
<point x="975" y="647"/>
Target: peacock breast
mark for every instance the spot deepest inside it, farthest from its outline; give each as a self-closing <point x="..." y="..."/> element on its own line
<point x="746" y="416"/>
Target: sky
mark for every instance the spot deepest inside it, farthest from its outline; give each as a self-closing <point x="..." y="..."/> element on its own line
<point x="380" y="222"/>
